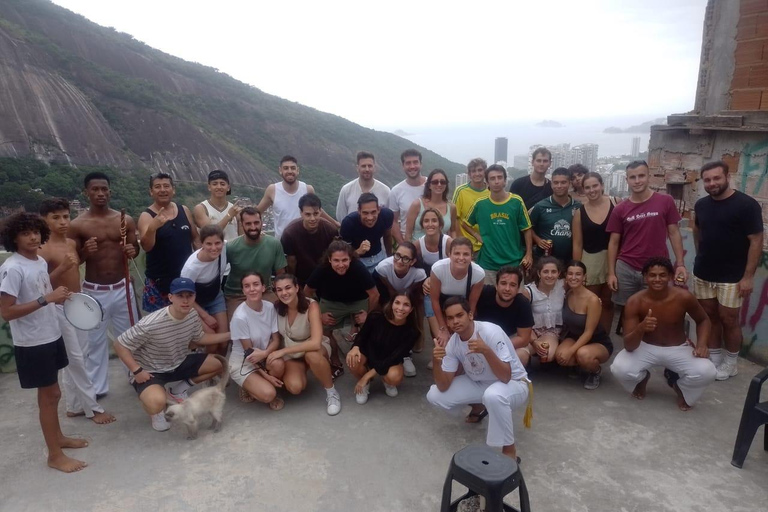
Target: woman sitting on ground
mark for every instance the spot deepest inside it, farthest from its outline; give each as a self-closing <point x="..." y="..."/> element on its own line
<point x="435" y="196"/>
<point x="254" y="337"/>
<point x="384" y="341"/>
<point x="305" y="347"/>
<point x="546" y="294"/>
<point x="586" y="343"/>
<point x="431" y="248"/>
<point x="206" y="268"/>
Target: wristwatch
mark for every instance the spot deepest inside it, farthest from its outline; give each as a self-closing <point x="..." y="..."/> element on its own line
<point x="41" y="300"/>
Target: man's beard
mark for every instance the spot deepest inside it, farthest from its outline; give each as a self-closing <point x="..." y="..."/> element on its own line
<point x="253" y="237"/>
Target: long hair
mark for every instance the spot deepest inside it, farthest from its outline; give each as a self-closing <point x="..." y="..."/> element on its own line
<point x="428" y="192"/>
<point x="545" y="261"/>
<point x="413" y="316"/>
<point x="282" y="307"/>
<point x="338" y="246"/>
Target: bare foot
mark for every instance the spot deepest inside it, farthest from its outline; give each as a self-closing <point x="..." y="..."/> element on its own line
<point x="72" y="442"/>
<point x="639" y="391"/>
<point x="66" y="464"/>
<point x="102" y="418"/>
<point x="681" y="403"/>
<point x="75" y="414"/>
<point x="277" y="404"/>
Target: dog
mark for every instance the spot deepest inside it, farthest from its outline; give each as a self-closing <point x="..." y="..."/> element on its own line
<point x="209" y="400"/>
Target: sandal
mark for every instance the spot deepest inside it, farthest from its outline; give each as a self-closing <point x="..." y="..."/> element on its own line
<point x="336" y="371"/>
<point x="246" y="397"/>
<point x="476" y="417"/>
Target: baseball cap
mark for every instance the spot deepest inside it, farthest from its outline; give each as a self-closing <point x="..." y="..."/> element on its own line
<point x="182" y="284"/>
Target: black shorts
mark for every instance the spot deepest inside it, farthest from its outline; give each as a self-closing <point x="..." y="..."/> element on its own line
<point x="603" y="340"/>
<point x="38" y="367"/>
<point x="188" y="369"/>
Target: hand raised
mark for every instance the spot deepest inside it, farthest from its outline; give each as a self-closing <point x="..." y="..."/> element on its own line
<point x="650" y="322"/>
<point x="59" y="295"/>
<point x="69" y="261"/>
<point x="477" y="346"/>
<point x="161" y="218"/>
<point x="91" y="245"/>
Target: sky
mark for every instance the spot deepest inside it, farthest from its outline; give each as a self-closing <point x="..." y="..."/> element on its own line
<point x="416" y="64"/>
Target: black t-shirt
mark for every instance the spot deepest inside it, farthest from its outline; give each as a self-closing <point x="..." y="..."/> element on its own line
<point x="385" y="344"/>
<point x="723" y="243"/>
<point x="353" y="232"/>
<point x="517" y="315"/>
<point x="530" y="193"/>
<point x="350" y="287"/>
<point x="308" y="248"/>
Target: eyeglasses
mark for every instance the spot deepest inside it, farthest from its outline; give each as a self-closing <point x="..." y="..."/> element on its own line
<point x="400" y="257"/>
<point x="438" y="182"/>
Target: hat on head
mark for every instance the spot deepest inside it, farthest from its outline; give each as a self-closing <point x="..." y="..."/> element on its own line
<point x="218" y="174"/>
<point x="182" y="284"/>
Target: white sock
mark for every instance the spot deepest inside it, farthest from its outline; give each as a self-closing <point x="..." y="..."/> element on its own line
<point x="331" y="391"/>
<point x="731" y="357"/>
<point x="180" y="386"/>
<point x="716" y="355"/>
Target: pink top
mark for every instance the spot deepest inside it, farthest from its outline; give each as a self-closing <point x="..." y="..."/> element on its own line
<point x="643" y="228"/>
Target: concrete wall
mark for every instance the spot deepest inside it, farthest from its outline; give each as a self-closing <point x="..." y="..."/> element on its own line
<point x="717" y="56"/>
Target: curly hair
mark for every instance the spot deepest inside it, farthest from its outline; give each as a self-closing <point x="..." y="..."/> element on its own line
<point x="19" y="223"/>
<point x="658" y="261"/>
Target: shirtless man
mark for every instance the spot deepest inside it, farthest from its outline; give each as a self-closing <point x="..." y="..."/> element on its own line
<point x="659" y="339"/>
<point x="100" y="246"/>
<point x="60" y="253"/>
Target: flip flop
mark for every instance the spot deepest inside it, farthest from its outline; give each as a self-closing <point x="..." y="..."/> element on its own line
<point x="671" y="377"/>
<point x="476" y="417"/>
<point x="337" y="371"/>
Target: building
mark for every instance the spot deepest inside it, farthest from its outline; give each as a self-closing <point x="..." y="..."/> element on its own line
<point x="729" y="122"/>
<point x="501" y="147"/>
<point x="520" y="161"/>
<point x="461" y="179"/>
<point x="586" y="155"/>
<point x="635" y="147"/>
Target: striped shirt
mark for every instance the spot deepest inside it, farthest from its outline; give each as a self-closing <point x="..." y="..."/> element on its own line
<point x="159" y="342"/>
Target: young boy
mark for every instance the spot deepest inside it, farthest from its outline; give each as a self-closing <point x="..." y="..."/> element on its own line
<point x="27" y="304"/>
<point x="60" y="253"/>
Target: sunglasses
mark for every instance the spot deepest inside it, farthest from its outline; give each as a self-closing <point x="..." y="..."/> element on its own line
<point x="438" y="182"/>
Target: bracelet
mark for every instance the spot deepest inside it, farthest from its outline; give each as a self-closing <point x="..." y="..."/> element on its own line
<point x="138" y="371"/>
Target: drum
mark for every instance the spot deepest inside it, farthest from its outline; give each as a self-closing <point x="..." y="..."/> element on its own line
<point x="83" y="311"/>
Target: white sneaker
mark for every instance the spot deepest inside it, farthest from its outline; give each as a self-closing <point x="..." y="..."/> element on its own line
<point x="390" y="390"/>
<point x="408" y="368"/>
<point x="726" y="370"/>
<point x="430" y="365"/>
<point x="334" y="404"/>
<point x="361" y="398"/>
<point x="178" y="397"/>
<point x="159" y="422"/>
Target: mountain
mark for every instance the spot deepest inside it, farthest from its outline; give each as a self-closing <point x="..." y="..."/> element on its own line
<point x="638" y="128"/>
<point x="549" y="123"/>
<point x="76" y="93"/>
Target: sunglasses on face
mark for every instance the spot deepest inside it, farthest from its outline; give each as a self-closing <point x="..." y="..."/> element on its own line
<point x="438" y="182"/>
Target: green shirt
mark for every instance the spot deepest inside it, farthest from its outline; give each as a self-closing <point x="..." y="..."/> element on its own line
<point x="552" y="221"/>
<point x="266" y="258"/>
<point x="500" y="225"/>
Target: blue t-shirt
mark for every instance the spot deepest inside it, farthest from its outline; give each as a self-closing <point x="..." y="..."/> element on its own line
<point x="354" y="232"/>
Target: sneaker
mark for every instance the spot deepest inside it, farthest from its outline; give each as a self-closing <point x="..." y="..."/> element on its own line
<point x="390" y="390"/>
<point x="361" y="398"/>
<point x="334" y="404"/>
<point x="408" y="368"/>
<point x="159" y="422"/>
<point x="726" y="370"/>
<point x="593" y="380"/>
<point x="178" y="397"/>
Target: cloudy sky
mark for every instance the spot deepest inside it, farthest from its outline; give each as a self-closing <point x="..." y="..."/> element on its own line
<point x="406" y="64"/>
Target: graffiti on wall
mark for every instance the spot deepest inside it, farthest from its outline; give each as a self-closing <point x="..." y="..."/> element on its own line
<point x="753" y="164"/>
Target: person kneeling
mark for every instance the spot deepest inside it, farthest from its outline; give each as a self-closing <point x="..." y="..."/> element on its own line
<point x="660" y="340"/>
<point x="384" y="341"/>
<point x="157" y="351"/>
<point x="493" y="374"/>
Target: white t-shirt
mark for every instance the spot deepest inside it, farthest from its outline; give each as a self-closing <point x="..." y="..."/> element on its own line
<point x="449" y="285"/>
<point x="386" y="269"/>
<point x="351" y="192"/>
<point x="476" y="365"/>
<point x="402" y="197"/>
<point x="257" y="326"/>
<point x="27" y="280"/>
<point x="203" y="272"/>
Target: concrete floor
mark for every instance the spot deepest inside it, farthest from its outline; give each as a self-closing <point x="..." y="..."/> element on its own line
<point x="587" y="451"/>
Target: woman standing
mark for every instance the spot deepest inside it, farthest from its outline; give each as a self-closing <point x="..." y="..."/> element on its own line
<point x="586" y="343"/>
<point x="435" y="196"/>
<point x="206" y="267"/>
<point x="305" y="347"/>
<point x="590" y="242"/>
<point x="383" y="342"/>
<point x="546" y="294"/>
<point x="431" y="248"/>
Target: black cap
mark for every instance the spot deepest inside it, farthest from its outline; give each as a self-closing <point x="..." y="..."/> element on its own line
<point x="218" y="174"/>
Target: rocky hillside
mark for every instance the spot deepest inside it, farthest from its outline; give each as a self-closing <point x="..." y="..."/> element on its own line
<point x="74" y="92"/>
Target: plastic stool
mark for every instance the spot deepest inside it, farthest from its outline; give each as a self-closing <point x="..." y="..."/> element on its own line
<point x="487" y="473"/>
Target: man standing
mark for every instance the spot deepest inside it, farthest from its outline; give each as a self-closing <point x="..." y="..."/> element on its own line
<point x="216" y="209"/>
<point x="284" y="196"/>
<point x="60" y="253"/>
<point x="97" y="233"/>
<point x="406" y="192"/>
<point x="500" y="218"/>
<point x="305" y="240"/>
<point x="349" y="193"/>
<point x="659" y="339"/>
<point x="252" y="252"/>
<point x="728" y="234"/>
<point x="535" y="187"/>
<point x="552" y="217"/>
<point x="157" y="351"/>
<point x="367" y="229"/>
<point x="493" y="375"/>
<point x="639" y="228"/>
<point x="168" y="237"/>
<point x="468" y="194"/>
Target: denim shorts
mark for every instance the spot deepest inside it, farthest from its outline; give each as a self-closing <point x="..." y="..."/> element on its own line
<point x="217" y="305"/>
<point x="428" y="311"/>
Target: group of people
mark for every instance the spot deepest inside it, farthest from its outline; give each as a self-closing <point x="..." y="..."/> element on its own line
<point x="503" y="277"/>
